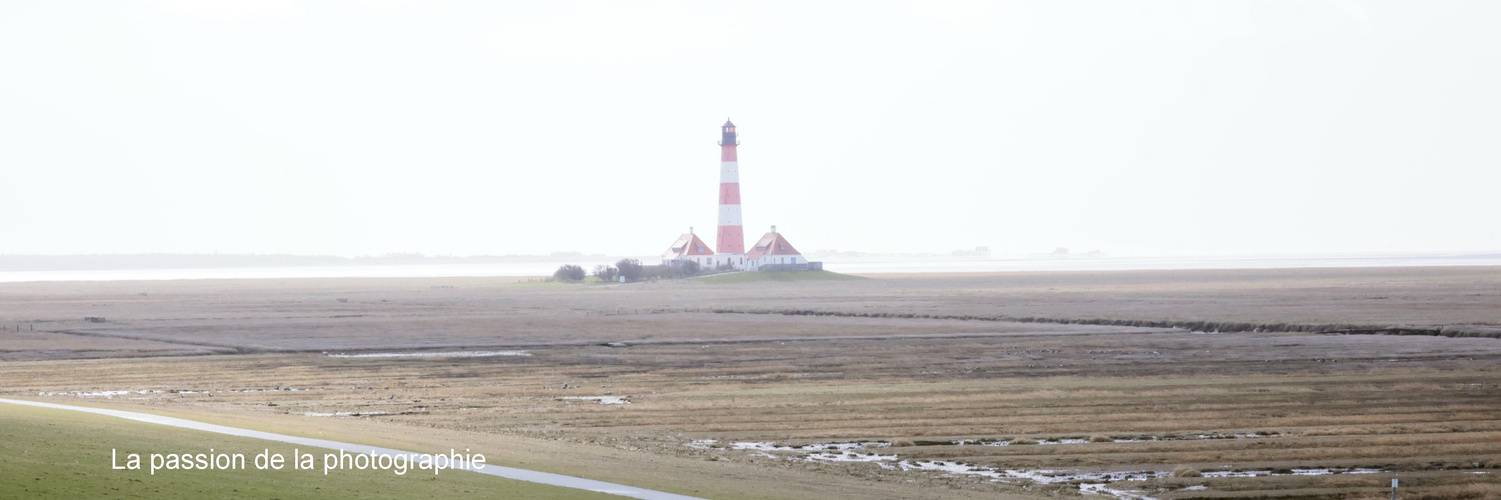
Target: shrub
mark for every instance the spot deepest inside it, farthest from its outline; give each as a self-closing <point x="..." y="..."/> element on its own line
<point x="1186" y="471"/>
<point x="605" y="273"/>
<point x="633" y="270"/>
<point x="629" y="268"/>
<point x="569" y="272"/>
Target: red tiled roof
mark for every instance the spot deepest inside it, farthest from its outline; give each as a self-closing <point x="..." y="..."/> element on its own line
<point x="771" y="244"/>
<point x="687" y="245"/>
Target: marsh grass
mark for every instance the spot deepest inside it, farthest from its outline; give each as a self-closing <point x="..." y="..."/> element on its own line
<point x="1418" y="405"/>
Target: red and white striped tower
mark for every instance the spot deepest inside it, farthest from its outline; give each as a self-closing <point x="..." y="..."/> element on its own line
<point x="731" y="242"/>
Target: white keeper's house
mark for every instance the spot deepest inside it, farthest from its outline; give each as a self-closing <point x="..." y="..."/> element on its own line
<point x="688" y="248"/>
<point x="772" y="249"/>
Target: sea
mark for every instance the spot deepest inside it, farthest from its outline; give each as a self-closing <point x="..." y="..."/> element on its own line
<point x="864" y="264"/>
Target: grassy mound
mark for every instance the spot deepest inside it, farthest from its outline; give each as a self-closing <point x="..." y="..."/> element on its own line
<point x="759" y="276"/>
<point x="46" y="453"/>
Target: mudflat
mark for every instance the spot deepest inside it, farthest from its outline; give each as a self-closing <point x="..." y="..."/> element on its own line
<point x="894" y="386"/>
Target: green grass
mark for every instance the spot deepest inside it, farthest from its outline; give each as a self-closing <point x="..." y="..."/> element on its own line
<point x="46" y="453"/>
<point x="759" y="276"/>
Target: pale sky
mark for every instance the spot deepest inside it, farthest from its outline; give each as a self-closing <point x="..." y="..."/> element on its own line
<point x="465" y="128"/>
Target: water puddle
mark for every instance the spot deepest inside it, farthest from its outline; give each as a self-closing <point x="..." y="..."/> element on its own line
<point x="848" y="456"/>
<point x="1105" y="489"/>
<point x="604" y="400"/>
<point x="818" y="447"/>
<point x="817" y="452"/>
<point x="1293" y="472"/>
<point x="1094" y="483"/>
<point x="343" y="414"/>
<point x="96" y="394"/>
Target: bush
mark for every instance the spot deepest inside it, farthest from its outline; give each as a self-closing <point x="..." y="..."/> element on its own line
<point x="1186" y="471"/>
<point x="605" y="273"/>
<point x="633" y="270"/>
<point x="568" y="272"/>
<point x="682" y="269"/>
<point x="629" y="268"/>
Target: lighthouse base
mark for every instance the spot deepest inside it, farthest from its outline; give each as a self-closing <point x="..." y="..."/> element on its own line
<point x="736" y="261"/>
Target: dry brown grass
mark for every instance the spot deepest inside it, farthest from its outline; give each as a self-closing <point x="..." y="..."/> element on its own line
<point x="1426" y="407"/>
<point x="1462" y="492"/>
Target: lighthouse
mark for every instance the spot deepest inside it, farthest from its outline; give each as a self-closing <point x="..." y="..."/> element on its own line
<point x="730" y="245"/>
<point x="770" y="253"/>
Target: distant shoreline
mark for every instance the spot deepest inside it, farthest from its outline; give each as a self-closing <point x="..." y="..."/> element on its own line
<point x="92" y="268"/>
<point x="116" y="262"/>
